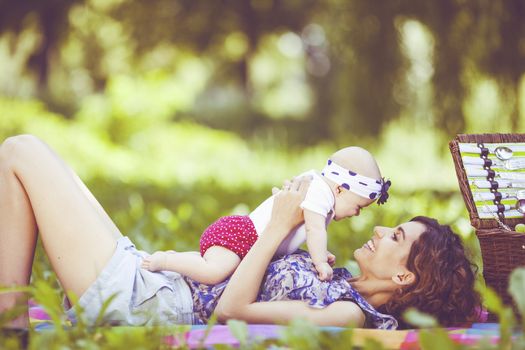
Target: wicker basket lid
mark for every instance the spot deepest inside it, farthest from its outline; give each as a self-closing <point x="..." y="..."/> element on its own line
<point x="475" y="220"/>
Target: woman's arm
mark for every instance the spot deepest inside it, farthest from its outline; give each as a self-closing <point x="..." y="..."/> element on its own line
<point x="337" y="314"/>
<point x="238" y="299"/>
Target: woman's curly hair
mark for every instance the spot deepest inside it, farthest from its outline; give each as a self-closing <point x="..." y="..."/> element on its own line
<point x="444" y="279"/>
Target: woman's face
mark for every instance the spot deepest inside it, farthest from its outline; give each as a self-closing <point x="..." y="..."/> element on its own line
<point x="384" y="256"/>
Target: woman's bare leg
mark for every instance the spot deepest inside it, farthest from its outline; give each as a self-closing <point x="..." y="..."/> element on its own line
<point x="17" y="240"/>
<point x="39" y="192"/>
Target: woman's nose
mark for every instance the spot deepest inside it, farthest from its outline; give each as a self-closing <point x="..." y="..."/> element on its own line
<point x="379" y="231"/>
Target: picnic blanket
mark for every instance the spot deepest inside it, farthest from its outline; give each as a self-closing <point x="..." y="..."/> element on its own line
<point x="199" y="336"/>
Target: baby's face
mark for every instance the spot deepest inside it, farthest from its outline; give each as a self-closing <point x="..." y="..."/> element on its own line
<point x="348" y="204"/>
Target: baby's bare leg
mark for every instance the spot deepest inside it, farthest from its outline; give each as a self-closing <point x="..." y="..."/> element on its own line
<point x="214" y="267"/>
<point x="37" y="189"/>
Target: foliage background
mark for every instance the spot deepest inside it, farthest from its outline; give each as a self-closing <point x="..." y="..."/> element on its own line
<point x="178" y="112"/>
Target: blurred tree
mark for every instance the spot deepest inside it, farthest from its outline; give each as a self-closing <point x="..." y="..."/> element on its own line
<point x="366" y="48"/>
<point x="482" y="35"/>
<point x="446" y="21"/>
<point x="52" y="18"/>
<point x="203" y="26"/>
<point x="504" y="54"/>
<point x="356" y="72"/>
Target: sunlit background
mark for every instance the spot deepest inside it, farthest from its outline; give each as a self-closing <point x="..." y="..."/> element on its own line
<point x="178" y="112"/>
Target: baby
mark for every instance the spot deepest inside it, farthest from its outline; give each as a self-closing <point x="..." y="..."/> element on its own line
<point x="350" y="181"/>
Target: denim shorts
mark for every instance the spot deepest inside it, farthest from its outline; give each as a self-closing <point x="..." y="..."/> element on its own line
<point x="140" y="297"/>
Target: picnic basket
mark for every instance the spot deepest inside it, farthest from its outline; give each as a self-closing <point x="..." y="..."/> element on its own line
<point x="502" y="250"/>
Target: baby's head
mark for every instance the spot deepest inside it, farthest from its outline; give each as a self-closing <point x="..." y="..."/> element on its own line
<point x="358" y="179"/>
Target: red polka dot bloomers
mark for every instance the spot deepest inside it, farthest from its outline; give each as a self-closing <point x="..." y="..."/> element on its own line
<point x="236" y="233"/>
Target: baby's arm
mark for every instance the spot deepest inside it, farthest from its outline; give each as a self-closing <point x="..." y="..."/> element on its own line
<point x="316" y="240"/>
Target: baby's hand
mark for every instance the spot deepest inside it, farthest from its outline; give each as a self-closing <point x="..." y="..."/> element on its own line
<point x="155" y="262"/>
<point x="325" y="271"/>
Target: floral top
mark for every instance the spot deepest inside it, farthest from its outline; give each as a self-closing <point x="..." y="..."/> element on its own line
<point x="293" y="277"/>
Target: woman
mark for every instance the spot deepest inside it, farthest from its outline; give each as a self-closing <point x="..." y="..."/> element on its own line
<point x="419" y="264"/>
<point x="91" y="258"/>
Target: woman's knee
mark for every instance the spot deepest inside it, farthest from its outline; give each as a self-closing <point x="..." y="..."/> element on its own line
<point x="18" y="148"/>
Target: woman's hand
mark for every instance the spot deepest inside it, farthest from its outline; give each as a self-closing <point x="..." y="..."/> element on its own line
<point x="286" y="212"/>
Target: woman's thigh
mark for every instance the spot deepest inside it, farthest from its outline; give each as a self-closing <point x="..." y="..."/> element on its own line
<point x="77" y="234"/>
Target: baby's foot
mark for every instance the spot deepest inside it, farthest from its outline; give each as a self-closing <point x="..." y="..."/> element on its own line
<point x="155" y="262"/>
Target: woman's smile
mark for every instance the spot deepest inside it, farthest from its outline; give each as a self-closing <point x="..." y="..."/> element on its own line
<point x="370" y="245"/>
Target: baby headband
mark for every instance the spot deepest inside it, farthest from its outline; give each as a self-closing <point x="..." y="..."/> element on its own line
<point x="361" y="185"/>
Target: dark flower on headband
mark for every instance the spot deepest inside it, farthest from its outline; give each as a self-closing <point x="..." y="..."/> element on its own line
<point x="383" y="195"/>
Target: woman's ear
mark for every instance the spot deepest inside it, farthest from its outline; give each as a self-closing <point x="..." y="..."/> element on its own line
<point x="403" y="278"/>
